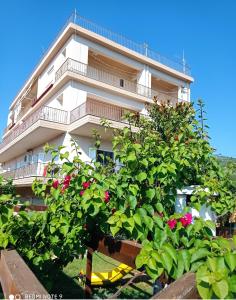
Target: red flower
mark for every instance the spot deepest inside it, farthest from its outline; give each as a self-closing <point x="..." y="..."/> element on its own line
<point x="107" y="197"/>
<point x="81" y="193"/>
<point x="172" y="223"/>
<point x="67" y="179"/>
<point x="55" y="184"/>
<point x="186" y="219"/>
<point x="86" y="184"/>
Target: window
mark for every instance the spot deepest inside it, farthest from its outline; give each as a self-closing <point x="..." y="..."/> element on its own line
<point x="104" y="157"/>
<point x="122" y="82"/>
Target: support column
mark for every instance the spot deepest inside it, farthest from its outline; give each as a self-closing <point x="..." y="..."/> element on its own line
<point x="144" y="80"/>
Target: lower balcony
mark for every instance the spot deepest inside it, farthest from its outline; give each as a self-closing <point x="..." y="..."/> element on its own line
<point x="87" y="117"/>
<point x="26" y="174"/>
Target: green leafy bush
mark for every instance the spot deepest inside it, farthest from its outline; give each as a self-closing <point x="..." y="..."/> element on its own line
<point x="157" y="155"/>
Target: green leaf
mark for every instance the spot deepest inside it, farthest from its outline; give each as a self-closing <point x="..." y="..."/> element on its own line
<point x="141" y="176"/>
<point x="180" y="266"/>
<point x="200" y="253"/>
<point x="234" y="240"/>
<point x="67" y="207"/>
<point x="158" y="221"/>
<point x="152" y="263"/>
<point x="171" y="251"/>
<point x="64" y="229"/>
<point x="114" y="230"/>
<point x="159" y="207"/>
<point x="137" y="219"/>
<point x="230" y="259"/>
<point x="167" y="261"/>
<point x="141" y="260"/>
<point x="204" y="290"/>
<point x="232" y="284"/>
<point x="150" y="193"/>
<point x="221" y="288"/>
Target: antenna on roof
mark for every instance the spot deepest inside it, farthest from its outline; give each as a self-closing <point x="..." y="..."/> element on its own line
<point x="184" y="62"/>
<point x="75" y="14"/>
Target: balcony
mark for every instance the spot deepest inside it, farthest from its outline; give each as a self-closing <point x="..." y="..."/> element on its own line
<point x="98" y="109"/>
<point x="114" y="81"/>
<point x="27" y="172"/>
<point x="31" y="132"/>
<point x="43" y="113"/>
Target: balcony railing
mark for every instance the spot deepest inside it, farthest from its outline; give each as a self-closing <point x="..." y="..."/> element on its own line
<point x="123" y="41"/>
<point x="29" y="170"/>
<point x="98" y="109"/>
<point x="43" y="113"/>
<point x="80" y="68"/>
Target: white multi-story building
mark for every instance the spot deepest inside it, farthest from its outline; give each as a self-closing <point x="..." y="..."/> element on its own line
<point x="88" y="73"/>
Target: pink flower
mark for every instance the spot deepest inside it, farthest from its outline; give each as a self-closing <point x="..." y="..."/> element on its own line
<point x="107" y="197"/>
<point x="189" y="217"/>
<point x="186" y="219"/>
<point x="55" y="184"/>
<point x="172" y="223"/>
<point x="67" y="179"/>
<point x="81" y="193"/>
<point x="86" y="184"/>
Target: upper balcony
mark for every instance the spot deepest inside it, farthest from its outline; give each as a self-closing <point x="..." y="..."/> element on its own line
<point x="107" y="80"/>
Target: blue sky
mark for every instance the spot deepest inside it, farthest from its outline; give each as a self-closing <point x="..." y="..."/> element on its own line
<point x="205" y="29"/>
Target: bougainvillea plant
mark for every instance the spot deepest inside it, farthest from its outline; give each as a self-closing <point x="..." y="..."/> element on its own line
<point x="157" y="155"/>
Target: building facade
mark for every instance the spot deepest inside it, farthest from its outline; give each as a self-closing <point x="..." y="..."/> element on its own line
<point x="87" y="74"/>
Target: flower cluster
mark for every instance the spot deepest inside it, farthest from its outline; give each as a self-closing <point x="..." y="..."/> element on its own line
<point x="185" y="221"/>
<point x="66" y="183"/>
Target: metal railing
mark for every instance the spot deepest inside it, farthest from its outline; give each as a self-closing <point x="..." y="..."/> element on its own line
<point x="43" y="113"/>
<point x="123" y="41"/>
<point x="29" y="170"/>
<point x="100" y="75"/>
<point x="98" y="109"/>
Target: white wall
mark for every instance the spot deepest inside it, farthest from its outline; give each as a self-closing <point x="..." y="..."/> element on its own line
<point x="72" y="49"/>
<point x="68" y="98"/>
<point x="205" y="212"/>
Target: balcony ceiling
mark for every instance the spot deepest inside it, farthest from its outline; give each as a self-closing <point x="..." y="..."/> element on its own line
<point x="36" y="137"/>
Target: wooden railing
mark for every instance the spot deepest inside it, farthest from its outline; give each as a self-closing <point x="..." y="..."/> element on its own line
<point x="43" y="113"/>
<point x="17" y="280"/>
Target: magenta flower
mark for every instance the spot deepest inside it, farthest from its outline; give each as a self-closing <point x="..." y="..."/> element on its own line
<point x="172" y="223"/>
<point x="67" y="179"/>
<point x="55" y="184"/>
<point x="81" y="193"/>
<point x="107" y="197"/>
<point x="86" y="184"/>
<point x="186" y="219"/>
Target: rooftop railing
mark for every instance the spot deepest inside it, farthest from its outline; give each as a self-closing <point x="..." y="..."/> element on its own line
<point x="143" y="49"/>
<point x="100" y="75"/>
<point x="43" y="113"/>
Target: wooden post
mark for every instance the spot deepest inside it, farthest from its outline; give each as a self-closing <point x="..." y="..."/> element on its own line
<point x="89" y="263"/>
<point x="17" y="279"/>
